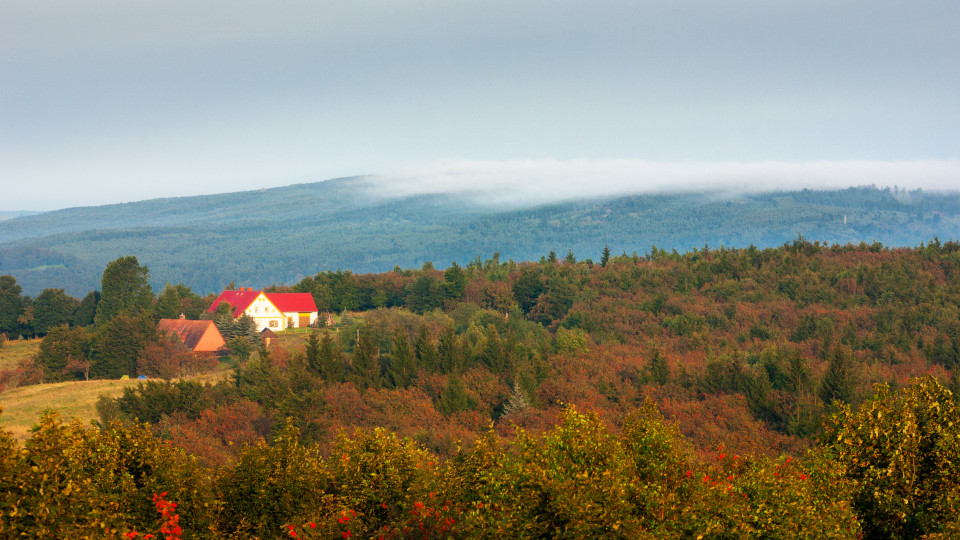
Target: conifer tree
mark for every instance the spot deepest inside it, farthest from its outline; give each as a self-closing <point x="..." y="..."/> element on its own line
<point x="428" y="357"/>
<point x="454" y="398"/>
<point x="311" y="352"/>
<point x="331" y="360"/>
<point x="493" y="353"/>
<point x="11" y="305"/>
<point x="84" y="314"/>
<point x="365" y="362"/>
<point x="451" y="353"/>
<point x="119" y="343"/>
<point x="659" y="370"/>
<point x="517" y="402"/>
<point x="605" y="257"/>
<point x="402" y="360"/>
<point x="838" y="384"/>
<point x="51" y="308"/>
<point x="454" y="282"/>
<point x="125" y="287"/>
<point x="168" y="304"/>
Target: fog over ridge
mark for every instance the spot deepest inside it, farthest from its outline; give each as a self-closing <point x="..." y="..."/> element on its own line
<point x="533" y="181"/>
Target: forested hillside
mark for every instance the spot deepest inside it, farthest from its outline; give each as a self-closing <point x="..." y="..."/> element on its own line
<point x="800" y="391"/>
<point x="282" y="235"/>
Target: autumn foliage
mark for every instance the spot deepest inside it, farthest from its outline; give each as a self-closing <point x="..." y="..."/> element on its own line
<point x="717" y="393"/>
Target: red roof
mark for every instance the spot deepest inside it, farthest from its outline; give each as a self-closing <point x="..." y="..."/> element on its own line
<point x="289" y="302"/>
<point x="240" y="300"/>
<point x="284" y="302"/>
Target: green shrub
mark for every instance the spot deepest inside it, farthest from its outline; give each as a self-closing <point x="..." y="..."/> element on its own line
<point x="903" y="450"/>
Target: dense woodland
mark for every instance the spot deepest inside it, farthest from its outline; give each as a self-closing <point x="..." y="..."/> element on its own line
<point x="722" y="392"/>
<point x="279" y="235"/>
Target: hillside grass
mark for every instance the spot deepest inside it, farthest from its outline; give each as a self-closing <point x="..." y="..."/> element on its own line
<point x="23" y="406"/>
<point x="15" y="350"/>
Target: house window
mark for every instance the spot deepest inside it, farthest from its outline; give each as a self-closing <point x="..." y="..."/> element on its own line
<point x="256" y="310"/>
<point x="273" y="324"/>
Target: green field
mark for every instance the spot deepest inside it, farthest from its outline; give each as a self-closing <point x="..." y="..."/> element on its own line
<point x="15" y="350"/>
<point x="23" y="406"/>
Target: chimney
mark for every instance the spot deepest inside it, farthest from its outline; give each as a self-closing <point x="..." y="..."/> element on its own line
<point x="182" y="316"/>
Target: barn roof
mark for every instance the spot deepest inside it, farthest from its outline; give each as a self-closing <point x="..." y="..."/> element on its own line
<point x="190" y="332"/>
<point x="289" y="302"/>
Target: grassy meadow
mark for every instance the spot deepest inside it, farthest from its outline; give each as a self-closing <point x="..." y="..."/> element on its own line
<point x="15" y="350"/>
<point x="23" y="406"/>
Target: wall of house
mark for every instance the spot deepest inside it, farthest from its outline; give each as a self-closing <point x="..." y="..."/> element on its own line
<point x="293" y="319"/>
<point x="210" y="341"/>
<point x="266" y="315"/>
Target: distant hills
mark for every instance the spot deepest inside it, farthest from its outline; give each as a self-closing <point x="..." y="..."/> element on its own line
<point x="10" y="214"/>
<point x="280" y="235"/>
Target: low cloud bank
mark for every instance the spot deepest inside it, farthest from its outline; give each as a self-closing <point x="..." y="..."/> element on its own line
<point x="540" y="181"/>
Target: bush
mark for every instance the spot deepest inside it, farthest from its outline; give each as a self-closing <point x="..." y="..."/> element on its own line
<point x="73" y="482"/>
<point x="903" y="450"/>
<point x="272" y="486"/>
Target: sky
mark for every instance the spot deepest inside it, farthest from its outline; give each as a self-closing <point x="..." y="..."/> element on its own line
<point x="105" y="101"/>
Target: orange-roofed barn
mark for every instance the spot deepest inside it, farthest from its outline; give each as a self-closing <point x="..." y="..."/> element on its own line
<point x="198" y="336"/>
<point x="275" y="311"/>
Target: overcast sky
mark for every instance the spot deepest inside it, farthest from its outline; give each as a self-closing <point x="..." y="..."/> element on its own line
<point x="106" y="101"/>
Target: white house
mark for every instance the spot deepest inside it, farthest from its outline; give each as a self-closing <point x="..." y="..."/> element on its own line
<point x="276" y="311"/>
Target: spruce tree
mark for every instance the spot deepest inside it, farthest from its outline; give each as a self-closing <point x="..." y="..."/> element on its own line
<point x="428" y="357"/>
<point x="402" y="360"/>
<point x="365" y="362"/>
<point x="454" y="283"/>
<point x="451" y="353"/>
<point x="517" y="402"/>
<point x="454" y="398"/>
<point x="659" y="370"/>
<point x="168" y="305"/>
<point x="838" y="384"/>
<point x="312" y="353"/>
<point x="331" y="360"/>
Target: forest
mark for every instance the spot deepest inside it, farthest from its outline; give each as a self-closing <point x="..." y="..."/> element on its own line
<point x="280" y="235"/>
<point x="801" y="391"/>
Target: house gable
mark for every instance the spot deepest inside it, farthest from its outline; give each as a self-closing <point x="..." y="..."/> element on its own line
<point x="198" y="336"/>
<point x="271" y="310"/>
<point x="255" y="304"/>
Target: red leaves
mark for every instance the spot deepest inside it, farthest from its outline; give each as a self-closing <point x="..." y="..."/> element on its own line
<point x="170" y="525"/>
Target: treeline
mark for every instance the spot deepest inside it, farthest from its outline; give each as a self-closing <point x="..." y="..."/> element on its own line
<point x="108" y="334"/>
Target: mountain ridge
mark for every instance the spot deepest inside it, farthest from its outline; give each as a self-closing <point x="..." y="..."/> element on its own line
<point x="280" y="235"/>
